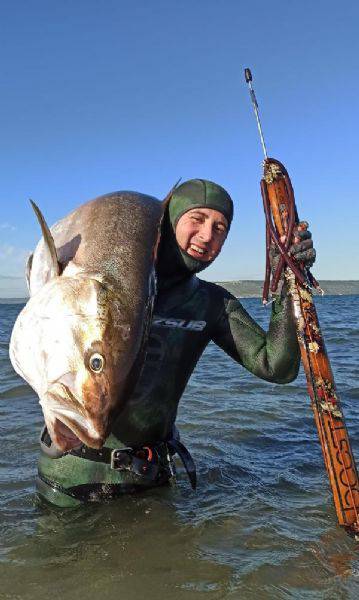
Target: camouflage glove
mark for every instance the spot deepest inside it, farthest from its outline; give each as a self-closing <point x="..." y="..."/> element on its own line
<point x="301" y="249"/>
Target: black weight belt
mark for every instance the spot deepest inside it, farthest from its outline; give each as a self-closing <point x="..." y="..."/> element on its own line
<point x="144" y="462"/>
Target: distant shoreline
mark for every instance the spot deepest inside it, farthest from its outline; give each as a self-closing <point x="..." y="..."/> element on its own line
<point x="246" y="288"/>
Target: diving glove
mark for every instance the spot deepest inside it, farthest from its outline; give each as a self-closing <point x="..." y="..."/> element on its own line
<point x="301" y="250"/>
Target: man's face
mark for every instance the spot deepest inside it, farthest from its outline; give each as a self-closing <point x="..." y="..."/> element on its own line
<point x="200" y="232"/>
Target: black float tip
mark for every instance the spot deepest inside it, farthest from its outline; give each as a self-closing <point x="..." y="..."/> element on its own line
<point x="248" y="75"/>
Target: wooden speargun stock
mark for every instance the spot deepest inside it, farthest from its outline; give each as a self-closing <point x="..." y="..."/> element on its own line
<point x="281" y="218"/>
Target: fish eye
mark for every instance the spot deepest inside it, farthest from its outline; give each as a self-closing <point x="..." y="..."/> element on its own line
<point x="96" y="362"/>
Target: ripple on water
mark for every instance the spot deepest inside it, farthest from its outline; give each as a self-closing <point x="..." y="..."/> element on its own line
<point x="261" y="524"/>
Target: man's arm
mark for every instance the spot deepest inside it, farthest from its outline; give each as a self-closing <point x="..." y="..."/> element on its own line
<point x="273" y="356"/>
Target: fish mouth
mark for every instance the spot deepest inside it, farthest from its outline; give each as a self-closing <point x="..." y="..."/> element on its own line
<point x="67" y="422"/>
<point x="67" y="435"/>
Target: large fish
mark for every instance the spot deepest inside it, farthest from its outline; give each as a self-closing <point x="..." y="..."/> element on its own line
<point x="81" y="335"/>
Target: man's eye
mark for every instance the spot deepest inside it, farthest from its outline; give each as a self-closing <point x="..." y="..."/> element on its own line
<point x="198" y="219"/>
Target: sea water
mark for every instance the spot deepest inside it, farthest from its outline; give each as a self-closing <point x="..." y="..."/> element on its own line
<point x="261" y="524"/>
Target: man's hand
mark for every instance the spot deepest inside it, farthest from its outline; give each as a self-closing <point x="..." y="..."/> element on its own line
<point x="302" y="248"/>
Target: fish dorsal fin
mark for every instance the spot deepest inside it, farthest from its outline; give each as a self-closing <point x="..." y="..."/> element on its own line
<point x="165" y="202"/>
<point x="50" y="249"/>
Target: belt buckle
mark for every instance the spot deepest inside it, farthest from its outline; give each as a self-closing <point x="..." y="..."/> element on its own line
<point x="116" y="462"/>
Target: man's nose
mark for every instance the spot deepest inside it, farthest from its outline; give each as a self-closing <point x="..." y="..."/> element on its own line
<point x="205" y="233"/>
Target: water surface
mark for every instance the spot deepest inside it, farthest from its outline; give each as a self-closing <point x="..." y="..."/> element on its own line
<point x="261" y="524"/>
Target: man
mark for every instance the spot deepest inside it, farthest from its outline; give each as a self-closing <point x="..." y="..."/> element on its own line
<point x="188" y="313"/>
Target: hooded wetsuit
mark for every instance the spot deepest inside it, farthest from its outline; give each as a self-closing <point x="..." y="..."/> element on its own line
<point x="188" y="314"/>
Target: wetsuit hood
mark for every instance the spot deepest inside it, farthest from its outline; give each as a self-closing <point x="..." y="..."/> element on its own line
<point x="173" y="263"/>
<point x="200" y="193"/>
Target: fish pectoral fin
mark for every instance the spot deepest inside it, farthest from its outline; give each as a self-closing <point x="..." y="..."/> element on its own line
<point x="28" y="270"/>
<point x="53" y="264"/>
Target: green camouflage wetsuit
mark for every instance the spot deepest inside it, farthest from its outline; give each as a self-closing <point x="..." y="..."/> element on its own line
<point x="188" y="314"/>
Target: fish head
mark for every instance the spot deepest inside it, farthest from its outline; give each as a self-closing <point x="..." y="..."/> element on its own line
<point x="75" y="343"/>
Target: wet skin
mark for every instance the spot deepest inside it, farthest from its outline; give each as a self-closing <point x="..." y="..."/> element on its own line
<point x="201" y="232"/>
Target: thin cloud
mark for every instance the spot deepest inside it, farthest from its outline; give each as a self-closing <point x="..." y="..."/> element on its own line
<point x="13" y="260"/>
<point x="8" y="226"/>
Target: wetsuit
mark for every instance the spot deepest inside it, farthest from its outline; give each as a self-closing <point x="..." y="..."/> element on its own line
<point x="186" y="318"/>
<point x="188" y="314"/>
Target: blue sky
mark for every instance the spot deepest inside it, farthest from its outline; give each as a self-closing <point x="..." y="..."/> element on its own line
<point x="103" y="96"/>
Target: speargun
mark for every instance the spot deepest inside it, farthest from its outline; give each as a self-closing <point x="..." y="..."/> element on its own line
<point x="281" y="219"/>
